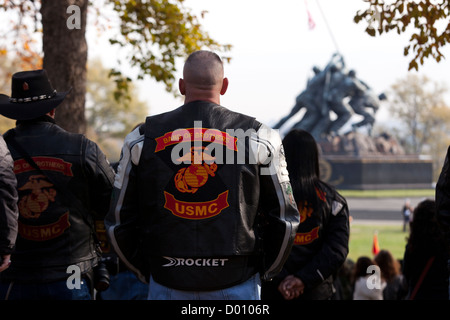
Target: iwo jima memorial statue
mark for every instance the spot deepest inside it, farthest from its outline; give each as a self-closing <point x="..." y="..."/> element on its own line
<point x="355" y="159"/>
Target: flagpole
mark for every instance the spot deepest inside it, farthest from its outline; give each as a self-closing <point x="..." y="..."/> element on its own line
<point x="328" y="27"/>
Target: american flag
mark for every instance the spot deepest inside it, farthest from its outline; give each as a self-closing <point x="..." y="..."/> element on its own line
<point x="311" y="23"/>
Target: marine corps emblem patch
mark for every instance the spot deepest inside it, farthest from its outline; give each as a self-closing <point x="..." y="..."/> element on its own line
<point x="196" y="191"/>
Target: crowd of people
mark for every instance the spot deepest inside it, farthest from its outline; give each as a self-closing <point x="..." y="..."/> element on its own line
<point x="205" y="203"/>
<point x="420" y="274"/>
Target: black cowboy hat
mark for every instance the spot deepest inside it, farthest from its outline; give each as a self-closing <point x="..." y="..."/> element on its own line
<point x="32" y="96"/>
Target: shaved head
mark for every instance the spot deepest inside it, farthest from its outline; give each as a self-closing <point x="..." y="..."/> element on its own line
<point x="203" y="77"/>
<point x="203" y="69"/>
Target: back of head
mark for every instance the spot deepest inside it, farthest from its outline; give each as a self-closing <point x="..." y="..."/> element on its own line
<point x="203" y="70"/>
<point x="424" y="213"/>
<point x="425" y="234"/>
<point x="389" y="266"/>
<point x="302" y="153"/>
<point x="361" y="266"/>
<point x="302" y="157"/>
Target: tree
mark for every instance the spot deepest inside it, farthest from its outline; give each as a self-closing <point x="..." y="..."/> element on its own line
<point x="65" y="59"/>
<point x="64" y="48"/>
<point x="107" y="116"/>
<point x="419" y="104"/>
<point x="109" y="119"/>
<point x="156" y="33"/>
<point x="430" y="19"/>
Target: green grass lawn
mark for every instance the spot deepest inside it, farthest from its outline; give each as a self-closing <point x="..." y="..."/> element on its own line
<point x="390" y="237"/>
<point x="397" y="193"/>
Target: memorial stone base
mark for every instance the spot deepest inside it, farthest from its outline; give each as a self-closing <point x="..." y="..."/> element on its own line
<point x="377" y="172"/>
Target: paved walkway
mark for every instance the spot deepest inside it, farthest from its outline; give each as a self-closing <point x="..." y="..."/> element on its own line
<point x="380" y="209"/>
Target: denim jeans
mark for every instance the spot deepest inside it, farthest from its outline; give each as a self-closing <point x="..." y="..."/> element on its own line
<point x="248" y="290"/>
<point x="125" y="286"/>
<point x="43" y="291"/>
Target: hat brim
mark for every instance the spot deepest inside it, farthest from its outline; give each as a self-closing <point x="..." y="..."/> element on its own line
<point x="29" y="110"/>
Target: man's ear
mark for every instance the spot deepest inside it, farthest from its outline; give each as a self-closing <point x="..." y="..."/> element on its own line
<point x="224" y="86"/>
<point x="52" y="113"/>
<point x="182" y="86"/>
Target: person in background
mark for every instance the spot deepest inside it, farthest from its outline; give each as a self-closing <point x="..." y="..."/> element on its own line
<point x="321" y="243"/>
<point x="390" y="267"/>
<point x="64" y="184"/>
<point x="443" y="205"/>
<point x="426" y="256"/>
<point x="407" y="212"/>
<point x="124" y="285"/>
<point x="368" y="283"/>
<point x="8" y="206"/>
<point x="343" y="281"/>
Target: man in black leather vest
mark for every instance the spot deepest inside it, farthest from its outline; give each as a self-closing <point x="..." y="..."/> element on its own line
<point x="64" y="183"/>
<point x="202" y="206"/>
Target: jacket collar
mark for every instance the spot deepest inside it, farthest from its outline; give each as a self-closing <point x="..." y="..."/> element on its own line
<point x="44" y="118"/>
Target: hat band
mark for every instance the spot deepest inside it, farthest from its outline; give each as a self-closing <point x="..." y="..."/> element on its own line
<point x="32" y="99"/>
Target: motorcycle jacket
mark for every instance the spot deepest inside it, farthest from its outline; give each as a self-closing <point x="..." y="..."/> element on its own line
<point x="202" y="199"/>
<point x="55" y="232"/>
<point x="321" y="243"/>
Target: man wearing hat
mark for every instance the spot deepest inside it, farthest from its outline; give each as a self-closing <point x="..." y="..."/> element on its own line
<point x="64" y="184"/>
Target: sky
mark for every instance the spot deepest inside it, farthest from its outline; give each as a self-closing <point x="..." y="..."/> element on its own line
<point x="274" y="51"/>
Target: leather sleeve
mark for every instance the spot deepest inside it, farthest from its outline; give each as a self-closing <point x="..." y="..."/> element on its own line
<point x="281" y="217"/>
<point x="101" y="179"/>
<point x="121" y="221"/>
<point x="8" y="201"/>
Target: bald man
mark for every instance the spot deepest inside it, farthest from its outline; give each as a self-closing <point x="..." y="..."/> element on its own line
<point x="203" y="207"/>
<point x="203" y="78"/>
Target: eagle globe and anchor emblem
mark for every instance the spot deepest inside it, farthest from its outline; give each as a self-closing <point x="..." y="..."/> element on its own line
<point x="189" y="180"/>
<point x="40" y="193"/>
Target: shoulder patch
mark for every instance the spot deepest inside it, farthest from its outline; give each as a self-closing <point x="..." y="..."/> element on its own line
<point x="336" y="207"/>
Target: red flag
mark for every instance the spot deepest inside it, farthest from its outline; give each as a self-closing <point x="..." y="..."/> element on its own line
<point x="375" y="245"/>
<point x="311" y="23"/>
